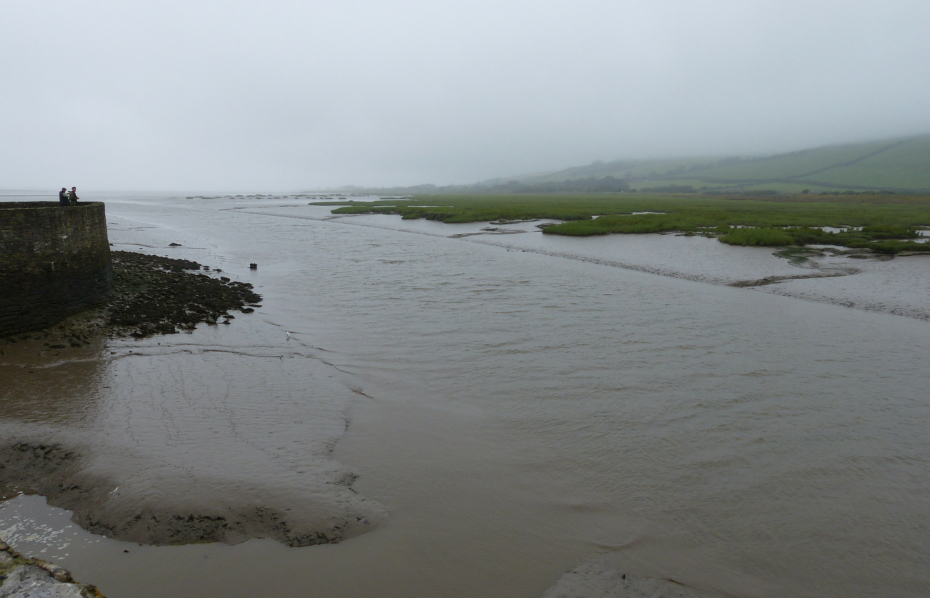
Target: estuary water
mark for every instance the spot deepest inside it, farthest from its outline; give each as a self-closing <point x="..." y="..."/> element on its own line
<point x="509" y="405"/>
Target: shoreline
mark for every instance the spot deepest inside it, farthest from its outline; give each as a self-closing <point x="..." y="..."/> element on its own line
<point x="865" y="223"/>
<point x="22" y="576"/>
<point x="153" y="298"/>
<point x="828" y="264"/>
<point x="65" y="477"/>
<point x="150" y="295"/>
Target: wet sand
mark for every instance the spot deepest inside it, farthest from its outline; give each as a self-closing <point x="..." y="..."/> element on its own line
<point x="600" y="578"/>
<point x="156" y="469"/>
<point x="897" y="286"/>
<point x="510" y="413"/>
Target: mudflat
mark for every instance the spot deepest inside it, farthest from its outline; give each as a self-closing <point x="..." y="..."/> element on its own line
<point x="495" y="410"/>
<point x="152" y="296"/>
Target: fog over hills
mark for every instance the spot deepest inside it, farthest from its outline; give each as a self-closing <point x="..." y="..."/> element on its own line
<point x="893" y="165"/>
<point x="287" y="95"/>
<point x="899" y="165"/>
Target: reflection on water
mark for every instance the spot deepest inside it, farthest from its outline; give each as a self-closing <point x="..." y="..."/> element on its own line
<point x="28" y="523"/>
<point x="41" y="385"/>
<point x="518" y="412"/>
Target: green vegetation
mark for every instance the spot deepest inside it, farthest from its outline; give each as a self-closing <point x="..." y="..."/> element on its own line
<point x="885" y="222"/>
<point x="765" y="237"/>
<point x="900" y="165"/>
<point x="890" y="166"/>
<point x="881" y="239"/>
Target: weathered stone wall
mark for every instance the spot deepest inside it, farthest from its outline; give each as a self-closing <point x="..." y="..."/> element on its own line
<point x="54" y="261"/>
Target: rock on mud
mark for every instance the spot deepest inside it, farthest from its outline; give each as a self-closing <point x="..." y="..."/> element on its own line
<point x="153" y="295"/>
<point x="33" y="578"/>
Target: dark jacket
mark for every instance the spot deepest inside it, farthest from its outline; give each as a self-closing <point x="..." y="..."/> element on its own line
<point x="63" y="197"/>
<point x="73" y="197"/>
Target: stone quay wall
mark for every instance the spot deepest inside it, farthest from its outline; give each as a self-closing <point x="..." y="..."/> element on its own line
<point x="54" y="261"/>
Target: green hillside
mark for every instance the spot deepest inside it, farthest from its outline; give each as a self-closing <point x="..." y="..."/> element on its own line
<point x="901" y="165"/>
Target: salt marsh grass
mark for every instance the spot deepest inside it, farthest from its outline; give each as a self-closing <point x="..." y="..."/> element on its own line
<point x="878" y="222"/>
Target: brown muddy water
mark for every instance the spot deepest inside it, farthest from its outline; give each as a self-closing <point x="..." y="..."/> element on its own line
<point x="512" y="405"/>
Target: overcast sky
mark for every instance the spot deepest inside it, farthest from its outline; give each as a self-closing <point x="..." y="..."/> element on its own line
<point x="297" y="94"/>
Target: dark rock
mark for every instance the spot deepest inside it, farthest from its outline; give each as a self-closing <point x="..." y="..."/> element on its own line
<point x="153" y="295"/>
<point x="23" y="576"/>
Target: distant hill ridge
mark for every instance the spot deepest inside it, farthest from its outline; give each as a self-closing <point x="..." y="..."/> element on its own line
<point x="899" y="165"/>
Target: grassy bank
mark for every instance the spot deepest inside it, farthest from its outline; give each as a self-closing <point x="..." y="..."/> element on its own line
<point x="888" y="223"/>
<point x="881" y="239"/>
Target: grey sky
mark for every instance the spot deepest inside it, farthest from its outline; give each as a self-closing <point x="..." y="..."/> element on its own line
<point x="283" y="95"/>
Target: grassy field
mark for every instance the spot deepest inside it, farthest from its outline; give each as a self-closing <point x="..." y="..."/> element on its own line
<point x="887" y="223"/>
<point x="794" y="164"/>
<point x="628" y="169"/>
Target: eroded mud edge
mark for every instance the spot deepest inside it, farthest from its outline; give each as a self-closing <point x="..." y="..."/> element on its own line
<point x="60" y="475"/>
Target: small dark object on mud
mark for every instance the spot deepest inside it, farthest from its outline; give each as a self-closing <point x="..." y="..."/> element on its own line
<point x="253" y="266"/>
<point x="174" y="244"/>
<point x="224" y="278"/>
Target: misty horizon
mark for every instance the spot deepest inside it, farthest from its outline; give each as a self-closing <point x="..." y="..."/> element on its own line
<point x="293" y="96"/>
<point x="349" y="187"/>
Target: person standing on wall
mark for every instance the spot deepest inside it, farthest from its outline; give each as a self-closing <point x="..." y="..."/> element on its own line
<point x="72" y="196"/>
<point x="63" y="198"/>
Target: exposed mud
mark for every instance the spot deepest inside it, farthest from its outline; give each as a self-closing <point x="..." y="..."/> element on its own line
<point x="491" y="230"/>
<point x="598" y="579"/>
<point x="152" y="295"/>
<point x="134" y="495"/>
<point x="776" y="279"/>
<point x="62" y="475"/>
